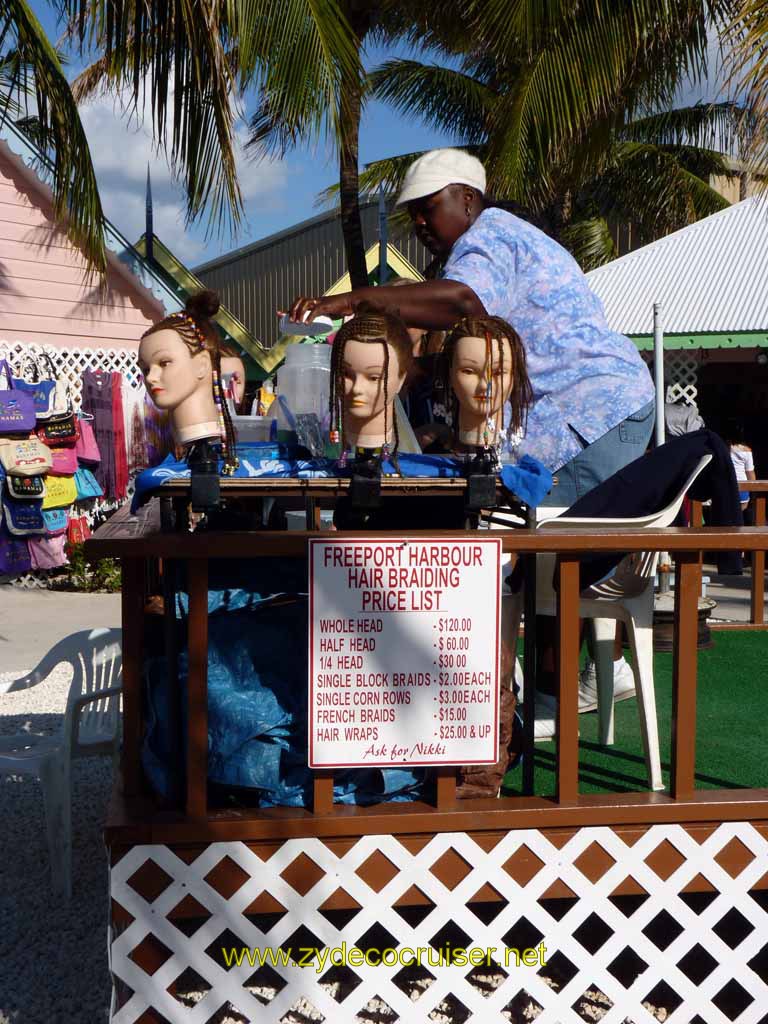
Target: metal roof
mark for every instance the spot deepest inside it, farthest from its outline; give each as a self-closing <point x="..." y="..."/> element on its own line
<point x="709" y="277"/>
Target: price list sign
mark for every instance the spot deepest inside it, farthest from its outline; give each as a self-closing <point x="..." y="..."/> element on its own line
<point x="404" y="651"/>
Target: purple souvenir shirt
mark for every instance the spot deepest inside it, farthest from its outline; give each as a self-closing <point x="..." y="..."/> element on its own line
<point x="584" y="375"/>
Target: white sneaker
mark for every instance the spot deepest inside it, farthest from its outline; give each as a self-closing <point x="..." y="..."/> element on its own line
<point x="544" y="724"/>
<point x="623" y="684"/>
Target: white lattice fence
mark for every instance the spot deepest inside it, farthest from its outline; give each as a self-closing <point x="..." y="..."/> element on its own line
<point x="701" y="955"/>
<point x="72" y="362"/>
<point x="681" y="374"/>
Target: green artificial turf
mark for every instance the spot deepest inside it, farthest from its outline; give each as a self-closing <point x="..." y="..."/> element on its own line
<point x="731" y="726"/>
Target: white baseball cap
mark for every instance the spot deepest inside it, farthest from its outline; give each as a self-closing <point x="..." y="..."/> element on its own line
<point x="438" y="168"/>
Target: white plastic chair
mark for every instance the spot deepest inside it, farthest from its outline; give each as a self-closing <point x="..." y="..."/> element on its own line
<point x="626" y="595"/>
<point x="91" y="726"/>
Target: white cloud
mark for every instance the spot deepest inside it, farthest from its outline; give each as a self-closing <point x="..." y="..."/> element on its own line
<point x="121" y="151"/>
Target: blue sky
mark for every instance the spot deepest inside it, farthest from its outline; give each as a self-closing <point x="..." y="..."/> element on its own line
<point x="277" y="194"/>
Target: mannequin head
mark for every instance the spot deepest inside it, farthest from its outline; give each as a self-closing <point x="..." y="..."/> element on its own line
<point x="180" y="358"/>
<point x="484" y="368"/>
<point x="370" y="359"/>
<point x="232" y="366"/>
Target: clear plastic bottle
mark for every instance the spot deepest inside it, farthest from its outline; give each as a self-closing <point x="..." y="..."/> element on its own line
<point x="304" y="380"/>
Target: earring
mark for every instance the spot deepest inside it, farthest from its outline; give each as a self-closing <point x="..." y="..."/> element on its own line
<point x="466" y="210"/>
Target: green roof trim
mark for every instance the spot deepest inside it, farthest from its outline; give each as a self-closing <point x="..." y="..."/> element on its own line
<point x="723" y="339"/>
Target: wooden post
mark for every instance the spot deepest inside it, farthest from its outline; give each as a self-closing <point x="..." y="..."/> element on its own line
<point x="446" y="787"/>
<point x="132" y="608"/>
<point x="322" y="792"/>
<point x="567" y="679"/>
<point x="758" y="565"/>
<point x="684" y="665"/>
<point x="529" y="672"/>
<point x="697" y="514"/>
<point x="197" y="689"/>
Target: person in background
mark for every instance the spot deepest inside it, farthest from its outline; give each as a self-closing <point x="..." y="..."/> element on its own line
<point x="741" y="457"/>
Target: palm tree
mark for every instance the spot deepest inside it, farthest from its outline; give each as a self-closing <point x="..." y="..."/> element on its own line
<point x="747" y="38"/>
<point x="560" y="117"/>
<point x="192" y="61"/>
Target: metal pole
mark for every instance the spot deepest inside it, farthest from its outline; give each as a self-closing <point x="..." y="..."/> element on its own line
<point x="383" y="267"/>
<point x="658" y="377"/>
<point x="658" y="371"/>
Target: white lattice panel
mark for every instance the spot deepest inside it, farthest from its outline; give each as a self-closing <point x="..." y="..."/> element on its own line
<point x="663" y="948"/>
<point x="72" y="362"/>
<point x="681" y="374"/>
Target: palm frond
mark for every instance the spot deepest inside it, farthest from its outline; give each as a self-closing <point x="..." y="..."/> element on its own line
<point x="747" y="35"/>
<point x="388" y="173"/>
<point x="455" y="102"/>
<point x="590" y="242"/>
<point x="59" y="131"/>
<point x="720" y="126"/>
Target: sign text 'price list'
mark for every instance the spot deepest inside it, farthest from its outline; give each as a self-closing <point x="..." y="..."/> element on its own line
<point x="404" y="652"/>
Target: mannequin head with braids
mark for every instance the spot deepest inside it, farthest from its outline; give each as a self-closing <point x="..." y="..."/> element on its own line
<point x="180" y="358"/>
<point x="483" y="368"/>
<point x="370" y="358"/>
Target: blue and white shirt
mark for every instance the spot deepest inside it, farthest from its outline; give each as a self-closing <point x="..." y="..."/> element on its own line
<point x="585" y="377"/>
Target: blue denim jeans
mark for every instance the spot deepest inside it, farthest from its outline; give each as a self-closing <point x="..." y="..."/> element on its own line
<point x="623" y="444"/>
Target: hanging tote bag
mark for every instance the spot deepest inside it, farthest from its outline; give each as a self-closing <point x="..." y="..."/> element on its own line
<point x="61" y="406"/>
<point x="56" y="521"/>
<point x="17" y="409"/>
<point x="47" y="552"/>
<point x="25" y="486"/>
<point x="86" y="448"/>
<point x="87" y="485"/>
<point x="78" y="530"/>
<point x="33" y="383"/>
<point x="60" y="432"/>
<point x="23" y="518"/>
<point x="63" y="461"/>
<point x="14" y="555"/>
<point x="24" y="457"/>
<point x="60" y="492"/>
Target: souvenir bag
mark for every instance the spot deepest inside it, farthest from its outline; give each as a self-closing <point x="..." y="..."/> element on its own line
<point x="47" y="552"/>
<point x="33" y="383"/>
<point x="61" y="406"/>
<point x="23" y="518"/>
<point x="87" y="485"/>
<point x="86" y="449"/>
<point x="56" y="521"/>
<point x="14" y="555"/>
<point x="60" y="432"/>
<point x="17" y="408"/>
<point x="63" y="461"/>
<point x="60" y="492"/>
<point x="25" y="486"/>
<point x="24" y="457"/>
<point x="78" y="530"/>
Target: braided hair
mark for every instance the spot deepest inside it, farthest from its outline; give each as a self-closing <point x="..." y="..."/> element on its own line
<point x="373" y="325"/>
<point x="492" y="328"/>
<point x="195" y="327"/>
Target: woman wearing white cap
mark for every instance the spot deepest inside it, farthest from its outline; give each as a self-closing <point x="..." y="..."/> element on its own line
<point x="593" y="407"/>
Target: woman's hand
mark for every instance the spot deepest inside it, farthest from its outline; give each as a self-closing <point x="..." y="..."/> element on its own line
<point x="306" y="308"/>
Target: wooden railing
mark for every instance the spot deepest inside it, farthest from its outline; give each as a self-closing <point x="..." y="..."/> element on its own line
<point x="758" y="490"/>
<point x="568" y="807"/>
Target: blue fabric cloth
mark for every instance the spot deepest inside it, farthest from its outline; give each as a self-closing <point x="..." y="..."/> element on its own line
<point x="257" y="696"/>
<point x="529" y="480"/>
<point x="267" y="460"/>
<point x="584" y="375"/>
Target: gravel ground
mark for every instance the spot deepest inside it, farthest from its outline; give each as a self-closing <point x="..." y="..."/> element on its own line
<point x="53" y="956"/>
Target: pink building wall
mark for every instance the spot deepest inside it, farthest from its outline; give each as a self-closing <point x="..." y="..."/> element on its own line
<point x="45" y="295"/>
